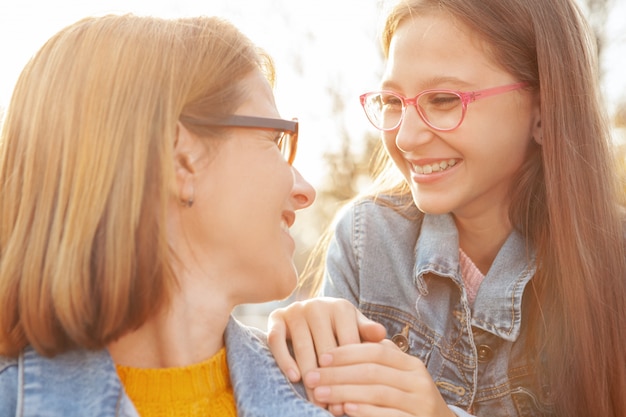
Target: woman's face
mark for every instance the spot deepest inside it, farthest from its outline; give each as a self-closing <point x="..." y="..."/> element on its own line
<point x="245" y="199"/>
<point x="475" y="163"/>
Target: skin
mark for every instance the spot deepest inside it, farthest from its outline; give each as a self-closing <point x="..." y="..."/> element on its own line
<point x="376" y="379"/>
<point x="233" y="244"/>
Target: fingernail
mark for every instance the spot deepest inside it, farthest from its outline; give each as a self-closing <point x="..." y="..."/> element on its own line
<point x="292" y="375"/>
<point x="311" y="379"/>
<point x="325" y="359"/>
<point x="322" y="393"/>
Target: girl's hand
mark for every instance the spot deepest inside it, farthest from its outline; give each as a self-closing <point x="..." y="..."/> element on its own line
<point x="314" y="327"/>
<point x="375" y="379"/>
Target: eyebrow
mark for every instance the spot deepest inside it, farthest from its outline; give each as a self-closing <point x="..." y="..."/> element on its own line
<point x="430" y="83"/>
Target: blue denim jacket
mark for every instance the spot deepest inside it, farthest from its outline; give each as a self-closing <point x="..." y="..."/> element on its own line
<point x="85" y="383"/>
<point x="406" y="276"/>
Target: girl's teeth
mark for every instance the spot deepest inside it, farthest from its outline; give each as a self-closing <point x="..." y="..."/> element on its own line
<point x="436" y="167"/>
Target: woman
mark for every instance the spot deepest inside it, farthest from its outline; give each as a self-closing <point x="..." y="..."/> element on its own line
<point x="497" y="260"/>
<point x="147" y="189"/>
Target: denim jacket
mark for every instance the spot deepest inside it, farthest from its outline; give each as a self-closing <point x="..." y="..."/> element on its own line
<point x="406" y="276"/>
<point x="85" y="383"/>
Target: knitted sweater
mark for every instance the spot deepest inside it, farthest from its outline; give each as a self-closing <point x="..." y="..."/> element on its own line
<point x="203" y="389"/>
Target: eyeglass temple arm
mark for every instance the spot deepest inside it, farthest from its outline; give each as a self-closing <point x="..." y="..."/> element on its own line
<point x="476" y="95"/>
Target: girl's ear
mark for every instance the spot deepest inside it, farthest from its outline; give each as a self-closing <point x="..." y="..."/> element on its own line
<point x="184" y="146"/>
<point x="536" y="129"/>
<point x="538" y="133"/>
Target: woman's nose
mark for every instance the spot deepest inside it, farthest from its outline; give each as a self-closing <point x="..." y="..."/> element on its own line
<point x="413" y="131"/>
<point x="303" y="193"/>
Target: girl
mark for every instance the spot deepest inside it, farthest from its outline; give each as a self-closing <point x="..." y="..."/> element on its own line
<point x="498" y="260"/>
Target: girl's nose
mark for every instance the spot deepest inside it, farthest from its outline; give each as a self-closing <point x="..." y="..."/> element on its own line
<point x="413" y="131"/>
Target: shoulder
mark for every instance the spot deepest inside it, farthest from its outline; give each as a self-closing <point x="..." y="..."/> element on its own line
<point x="247" y="354"/>
<point x="74" y="383"/>
<point x="376" y="218"/>
<point x="8" y="385"/>
<point x="5" y="363"/>
<point x="381" y="210"/>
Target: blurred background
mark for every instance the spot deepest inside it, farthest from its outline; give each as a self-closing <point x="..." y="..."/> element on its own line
<point x="326" y="53"/>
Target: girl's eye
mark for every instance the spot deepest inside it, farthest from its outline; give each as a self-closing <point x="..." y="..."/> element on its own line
<point x="390" y="101"/>
<point x="442" y="101"/>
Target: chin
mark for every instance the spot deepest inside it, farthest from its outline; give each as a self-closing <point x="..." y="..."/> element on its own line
<point x="431" y="205"/>
<point x="431" y="208"/>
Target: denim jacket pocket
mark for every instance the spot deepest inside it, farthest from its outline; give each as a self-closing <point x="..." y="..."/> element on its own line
<point x="410" y="336"/>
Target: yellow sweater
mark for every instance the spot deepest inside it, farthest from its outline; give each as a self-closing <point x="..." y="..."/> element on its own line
<point x="202" y="389"/>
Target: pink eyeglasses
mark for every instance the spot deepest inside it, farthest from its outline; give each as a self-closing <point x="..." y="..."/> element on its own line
<point x="442" y="110"/>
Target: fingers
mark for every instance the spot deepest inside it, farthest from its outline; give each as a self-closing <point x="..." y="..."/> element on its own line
<point x="408" y="394"/>
<point x="402" y="380"/>
<point x="277" y="338"/>
<point x="368" y="410"/>
<point x="357" y="399"/>
<point x="290" y="322"/>
<point x="315" y="327"/>
<point x="343" y="318"/>
<point x="375" y="379"/>
<point x="385" y="353"/>
<point x="369" y="330"/>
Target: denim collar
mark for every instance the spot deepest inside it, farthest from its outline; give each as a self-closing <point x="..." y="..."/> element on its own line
<point x="498" y="305"/>
<point x="260" y="387"/>
<point x="75" y="383"/>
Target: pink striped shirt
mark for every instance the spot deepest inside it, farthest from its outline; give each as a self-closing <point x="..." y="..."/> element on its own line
<point x="472" y="277"/>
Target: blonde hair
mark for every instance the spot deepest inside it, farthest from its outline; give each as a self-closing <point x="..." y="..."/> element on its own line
<point x="86" y="171"/>
<point x="565" y="201"/>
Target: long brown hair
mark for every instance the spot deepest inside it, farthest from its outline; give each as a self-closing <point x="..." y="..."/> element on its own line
<point x="86" y="171"/>
<point x="565" y="201"/>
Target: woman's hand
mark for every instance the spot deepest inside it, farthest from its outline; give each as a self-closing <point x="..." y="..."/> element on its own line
<point x="375" y="379"/>
<point x="314" y="327"/>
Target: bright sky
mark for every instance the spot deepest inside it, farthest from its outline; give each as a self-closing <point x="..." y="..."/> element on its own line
<point x="318" y="46"/>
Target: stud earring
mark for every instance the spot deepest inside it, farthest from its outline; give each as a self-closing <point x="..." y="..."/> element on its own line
<point x="189" y="201"/>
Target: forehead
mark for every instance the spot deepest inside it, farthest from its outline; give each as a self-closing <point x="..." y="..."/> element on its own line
<point x="436" y="46"/>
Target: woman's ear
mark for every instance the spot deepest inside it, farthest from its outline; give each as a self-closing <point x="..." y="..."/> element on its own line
<point x="184" y="146"/>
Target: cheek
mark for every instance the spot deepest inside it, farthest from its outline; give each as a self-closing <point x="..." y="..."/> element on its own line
<point x="389" y="142"/>
<point x="499" y="132"/>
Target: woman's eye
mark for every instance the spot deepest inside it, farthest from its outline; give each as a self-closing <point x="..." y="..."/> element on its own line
<point x="278" y="138"/>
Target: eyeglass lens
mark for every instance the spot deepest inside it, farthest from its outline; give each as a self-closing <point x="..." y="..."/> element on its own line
<point x="441" y="110"/>
<point x="286" y="144"/>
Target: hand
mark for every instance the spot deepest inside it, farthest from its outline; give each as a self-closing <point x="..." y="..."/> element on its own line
<point x="314" y="327"/>
<point x="375" y="379"/>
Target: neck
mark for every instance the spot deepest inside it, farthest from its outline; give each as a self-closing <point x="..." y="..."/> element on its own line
<point x="482" y="238"/>
<point x="189" y="331"/>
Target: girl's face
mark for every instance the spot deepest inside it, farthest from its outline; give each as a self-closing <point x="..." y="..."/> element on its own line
<point x="245" y="199"/>
<point x="475" y="163"/>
